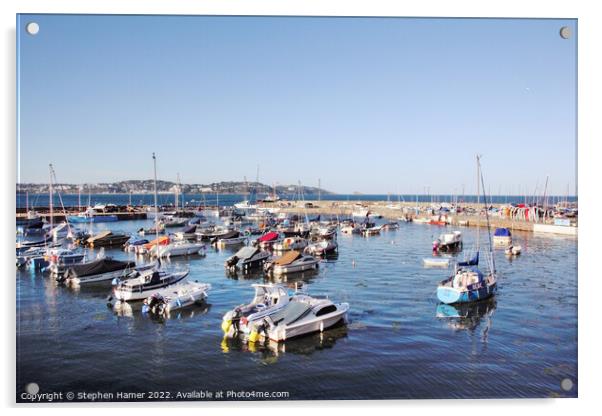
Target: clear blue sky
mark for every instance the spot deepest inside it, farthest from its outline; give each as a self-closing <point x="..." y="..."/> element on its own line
<point x="366" y="104"/>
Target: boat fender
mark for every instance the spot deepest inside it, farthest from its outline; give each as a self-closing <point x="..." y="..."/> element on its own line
<point x="254" y="336"/>
<point x="226" y="325"/>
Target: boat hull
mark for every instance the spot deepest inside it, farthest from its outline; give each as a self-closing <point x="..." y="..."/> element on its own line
<point x="451" y="295"/>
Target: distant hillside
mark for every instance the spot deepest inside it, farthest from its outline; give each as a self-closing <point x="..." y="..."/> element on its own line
<point x="146" y="186"/>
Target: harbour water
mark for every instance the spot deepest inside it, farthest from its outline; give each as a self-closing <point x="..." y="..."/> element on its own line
<point x="193" y="200"/>
<point x="522" y="343"/>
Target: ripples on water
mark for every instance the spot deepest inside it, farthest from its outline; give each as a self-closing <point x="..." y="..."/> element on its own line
<point x="523" y="343"/>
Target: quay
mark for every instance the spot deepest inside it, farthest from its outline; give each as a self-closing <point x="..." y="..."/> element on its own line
<point x="390" y="211"/>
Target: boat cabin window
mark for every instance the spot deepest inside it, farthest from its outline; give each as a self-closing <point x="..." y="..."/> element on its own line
<point x="326" y="310"/>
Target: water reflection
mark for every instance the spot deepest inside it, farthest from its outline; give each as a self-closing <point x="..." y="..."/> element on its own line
<point x="468" y="316"/>
<point x="271" y="350"/>
<point x="134" y="310"/>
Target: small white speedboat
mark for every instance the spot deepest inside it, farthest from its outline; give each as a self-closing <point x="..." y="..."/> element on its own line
<point x="143" y="284"/>
<point x="178" y="248"/>
<point x="322" y="248"/>
<point x="175" y="297"/>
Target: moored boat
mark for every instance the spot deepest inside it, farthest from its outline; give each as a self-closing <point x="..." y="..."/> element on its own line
<point x="107" y="239"/>
<point x="290" y="243"/>
<point x="143" y="284"/>
<point x="448" y="243"/>
<point x="291" y="262"/>
<point x="96" y="271"/>
<point x="247" y="258"/>
<point x="302" y="315"/>
<point x="502" y="237"/>
<point x="175" y="297"/>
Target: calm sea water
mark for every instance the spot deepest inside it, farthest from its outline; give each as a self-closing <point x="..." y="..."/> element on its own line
<point x="522" y="343"/>
<point x="70" y="200"/>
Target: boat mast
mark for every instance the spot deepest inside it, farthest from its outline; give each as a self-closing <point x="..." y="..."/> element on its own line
<point x="319" y="190"/>
<point x="177" y="192"/>
<point x="478" y="202"/>
<point x="156" y="206"/>
<point x="492" y="263"/>
<point x="50" y="195"/>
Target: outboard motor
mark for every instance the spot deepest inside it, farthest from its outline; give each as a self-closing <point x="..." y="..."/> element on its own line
<point x="232" y="261"/>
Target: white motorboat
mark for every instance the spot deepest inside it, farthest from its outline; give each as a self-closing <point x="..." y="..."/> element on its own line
<point x="291" y="262"/>
<point x="187" y="233"/>
<point x="268" y="299"/>
<point x="448" y="242"/>
<point x="247" y="258"/>
<point x="175" y="297"/>
<point x="178" y="248"/>
<point x="302" y="315"/>
<point x="322" y="248"/>
<point x="290" y="243"/>
<point x="369" y="231"/>
<point x="234" y="241"/>
<point x="141" y="285"/>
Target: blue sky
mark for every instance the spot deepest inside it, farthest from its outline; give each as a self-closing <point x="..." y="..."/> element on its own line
<point x="365" y="104"/>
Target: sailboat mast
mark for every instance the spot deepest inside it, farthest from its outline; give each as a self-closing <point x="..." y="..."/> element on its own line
<point x="492" y="262"/>
<point x="50" y="196"/>
<point x="478" y="202"/>
<point x="156" y="206"/>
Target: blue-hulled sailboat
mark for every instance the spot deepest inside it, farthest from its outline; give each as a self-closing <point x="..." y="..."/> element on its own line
<point x="468" y="283"/>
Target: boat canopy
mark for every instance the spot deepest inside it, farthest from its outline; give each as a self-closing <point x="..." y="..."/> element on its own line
<point x="189" y="229"/>
<point x="271" y="236"/>
<point x="287" y="258"/>
<point x="231" y="234"/>
<point x="139" y="242"/>
<point x="163" y="240"/>
<point x="246" y="252"/>
<point x="472" y="262"/>
<point x="99" y="236"/>
<point x="502" y="232"/>
<point x="103" y="265"/>
<point x="291" y="313"/>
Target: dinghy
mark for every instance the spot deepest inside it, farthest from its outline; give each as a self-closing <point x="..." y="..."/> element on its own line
<point x="436" y="262"/>
<point x="513" y="250"/>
